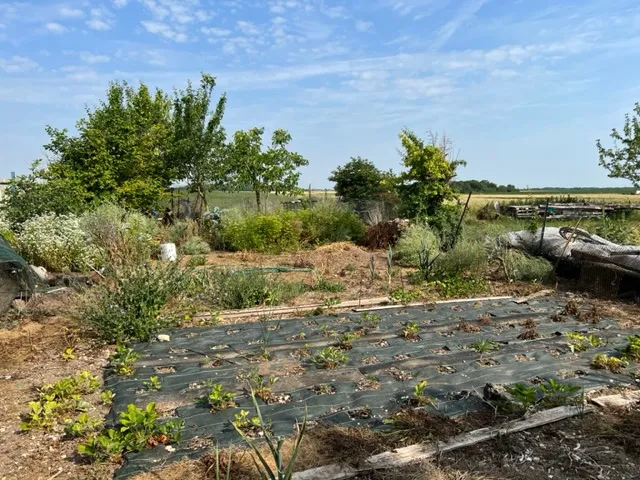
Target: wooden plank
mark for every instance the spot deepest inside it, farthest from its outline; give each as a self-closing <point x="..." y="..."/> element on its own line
<point x="541" y="293"/>
<point x="620" y="400"/>
<point x="402" y="457"/>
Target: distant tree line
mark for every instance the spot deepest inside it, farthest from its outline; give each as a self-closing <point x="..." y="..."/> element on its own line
<point x="481" y="186"/>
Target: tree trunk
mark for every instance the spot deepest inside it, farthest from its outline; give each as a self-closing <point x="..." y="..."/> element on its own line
<point x="258" y="200"/>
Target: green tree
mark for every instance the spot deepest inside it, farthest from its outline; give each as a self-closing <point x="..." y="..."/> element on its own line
<point x="430" y="166"/>
<point x="30" y="195"/>
<point x="359" y="179"/>
<point x="272" y="170"/>
<point x="121" y="150"/>
<point x="623" y="160"/>
<point x="198" y="147"/>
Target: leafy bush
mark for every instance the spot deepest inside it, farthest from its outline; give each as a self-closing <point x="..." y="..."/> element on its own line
<point x="415" y="240"/>
<point x="616" y="230"/>
<point x="286" y="231"/>
<point x="129" y="308"/>
<point x="58" y="243"/>
<point x="262" y="233"/>
<point x="226" y="289"/>
<point x="196" y="246"/>
<point x="127" y="237"/>
<point x="444" y="223"/>
<point x="326" y="223"/>
<point x="196" y="261"/>
<point x="466" y="257"/>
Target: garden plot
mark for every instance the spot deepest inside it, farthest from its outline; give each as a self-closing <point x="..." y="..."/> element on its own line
<point x="457" y="348"/>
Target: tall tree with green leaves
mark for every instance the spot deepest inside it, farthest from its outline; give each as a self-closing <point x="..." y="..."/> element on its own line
<point x="359" y="180"/>
<point x="121" y="150"/>
<point x="198" y="148"/>
<point x="623" y="160"/>
<point x="272" y="170"/>
<point x="429" y="168"/>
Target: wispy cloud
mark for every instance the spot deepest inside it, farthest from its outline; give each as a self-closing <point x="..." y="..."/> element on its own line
<point x="120" y="3"/>
<point x="164" y="30"/>
<point x="92" y="58"/>
<point x="363" y="26"/>
<point x="54" y="27"/>
<point x="248" y="28"/>
<point x="69" y="12"/>
<point x="464" y="14"/>
<point x="215" y="31"/>
<point x="101" y="19"/>
<point x="17" y="64"/>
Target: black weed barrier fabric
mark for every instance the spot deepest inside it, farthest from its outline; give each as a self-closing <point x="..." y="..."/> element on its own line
<point x="442" y="354"/>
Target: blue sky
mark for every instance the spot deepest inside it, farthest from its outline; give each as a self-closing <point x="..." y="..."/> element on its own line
<point x="524" y="87"/>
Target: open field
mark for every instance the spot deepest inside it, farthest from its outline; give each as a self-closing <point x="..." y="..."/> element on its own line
<point x="479" y="200"/>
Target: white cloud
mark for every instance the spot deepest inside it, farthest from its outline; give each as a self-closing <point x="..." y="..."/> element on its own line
<point x="164" y="30"/>
<point x="91" y="58"/>
<point x="120" y="3"/>
<point x="101" y="19"/>
<point x="277" y="9"/>
<point x="336" y="12"/>
<point x="216" y="32"/>
<point x="54" y="27"/>
<point x="17" y="64"/>
<point x="278" y="20"/>
<point x="248" y="28"/>
<point x="424" y="87"/>
<point x="71" y="12"/>
<point x="176" y="11"/>
<point x="79" y="74"/>
<point x="363" y="26"/>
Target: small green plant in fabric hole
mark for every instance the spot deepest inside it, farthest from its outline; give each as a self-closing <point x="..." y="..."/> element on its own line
<point x="219" y="399"/>
<point x="419" y="395"/>
<point x="411" y="330"/>
<point x="329" y="358"/>
<point x="605" y="362"/>
<point x="579" y="342"/>
<point x="122" y="361"/>
<point x="153" y="383"/>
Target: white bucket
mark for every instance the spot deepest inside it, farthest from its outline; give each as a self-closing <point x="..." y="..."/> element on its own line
<point x="168" y="252"/>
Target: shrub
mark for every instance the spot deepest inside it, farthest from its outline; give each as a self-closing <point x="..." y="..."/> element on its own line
<point x="444" y="224"/>
<point x="179" y="232"/>
<point x="57" y="243"/>
<point x="196" y="246"/>
<point x="262" y="233"/>
<point x="328" y="223"/>
<point x="465" y="257"/>
<point x="127" y="237"/>
<point x="196" y="261"/>
<point x="616" y="230"/>
<point x="416" y="239"/>
<point x="225" y="289"/>
<point x="129" y="308"/>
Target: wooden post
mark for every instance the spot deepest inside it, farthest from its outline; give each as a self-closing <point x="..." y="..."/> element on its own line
<point x="464" y="211"/>
<point x="309" y="195"/>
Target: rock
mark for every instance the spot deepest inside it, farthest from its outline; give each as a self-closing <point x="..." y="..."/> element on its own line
<point x="40" y="272"/>
<point x="163" y="338"/>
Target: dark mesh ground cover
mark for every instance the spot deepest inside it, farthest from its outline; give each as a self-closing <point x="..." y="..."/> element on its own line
<point x="442" y="356"/>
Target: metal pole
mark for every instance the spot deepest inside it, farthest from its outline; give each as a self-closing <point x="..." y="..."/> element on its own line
<point x="544" y="225"/>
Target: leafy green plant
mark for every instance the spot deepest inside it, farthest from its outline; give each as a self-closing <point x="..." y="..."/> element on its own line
<point x="484" y="345"/>
<point x="82" y="425"/>
<point x="219" y="399"/>
<point x="411" y="330"/>
<point x="526" y="396"/>
<point x="195" y="245"/>
<point x="329" y="358"/>
<point x="106" y="397"/>
<point x="196" y="261"/>
<point x="614" y="229"/>
<point x="68" y="354"/>
<point x="457" y="286"/>
<point x="107" y="444"/>
<point x="368" y="320"/>
<point x="419" y="395"/>
<point x="42" y="415"/>
<point x="321" y="284"/>
<point x="261" y="385"/>
<point x="556" y="393"/>
<point x="331" y="302"/>
<point x="404" y="296"/>
<point x="579" y="342"/>
<point x="347" y="339"/>
<point x="122" y="361"/>
<point x="127" y="237"/>
<point x="153" y="383"/>
<point x="632" y="350"/>
<point x="605" y="362"/>
<point x="417" y="243"/>
<point x="129" y="309"/>
<point x="280" y="471"/>
<point x="246" y="424"/>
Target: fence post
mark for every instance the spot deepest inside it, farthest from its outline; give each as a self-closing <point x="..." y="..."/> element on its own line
<point x="309" y="195"/>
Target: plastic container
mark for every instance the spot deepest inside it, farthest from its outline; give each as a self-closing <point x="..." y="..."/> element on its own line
<point x="168" y="252"/>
